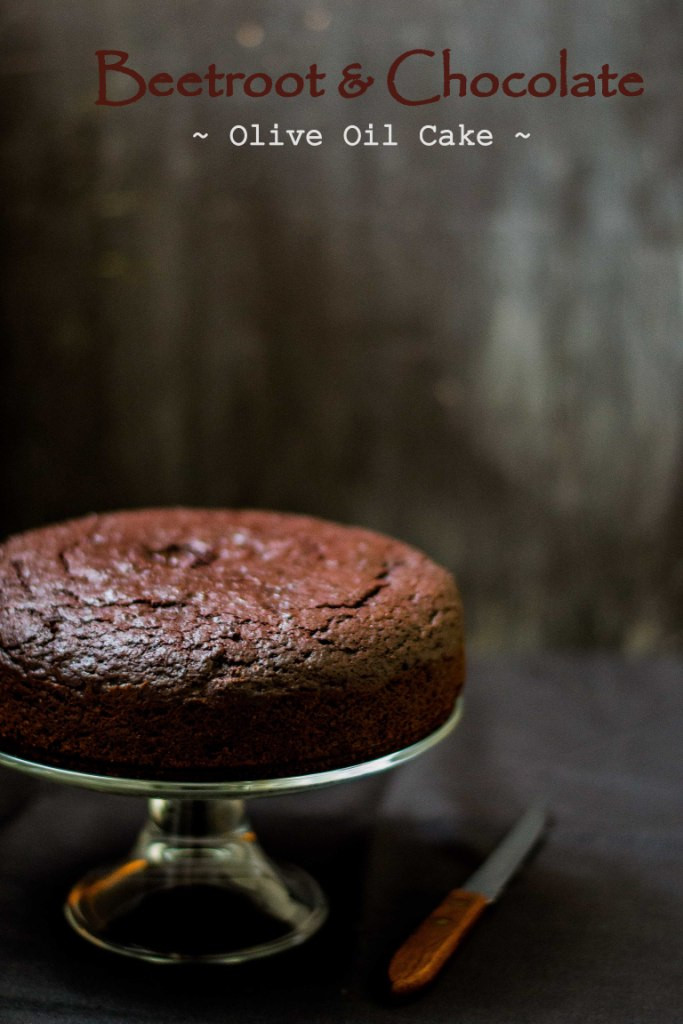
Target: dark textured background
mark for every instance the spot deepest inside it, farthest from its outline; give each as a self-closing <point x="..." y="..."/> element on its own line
<point x="478" y="351"/>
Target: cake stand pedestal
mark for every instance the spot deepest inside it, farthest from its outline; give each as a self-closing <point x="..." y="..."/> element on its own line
<point x="197" y="887"/>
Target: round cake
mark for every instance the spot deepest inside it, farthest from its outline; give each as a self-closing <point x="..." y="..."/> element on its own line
<point x="192" y="643"/>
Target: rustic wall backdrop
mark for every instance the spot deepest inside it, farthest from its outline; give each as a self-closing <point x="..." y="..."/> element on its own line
<point x="478" y="350"/>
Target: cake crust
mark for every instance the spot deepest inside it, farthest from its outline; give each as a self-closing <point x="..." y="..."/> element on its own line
<point x="190" y="643"/>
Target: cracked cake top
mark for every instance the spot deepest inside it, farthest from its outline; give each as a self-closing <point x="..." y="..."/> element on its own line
<point x="203" y="599"/>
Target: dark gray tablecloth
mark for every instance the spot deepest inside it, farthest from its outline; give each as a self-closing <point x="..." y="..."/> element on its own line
<point x="590" y="931"/>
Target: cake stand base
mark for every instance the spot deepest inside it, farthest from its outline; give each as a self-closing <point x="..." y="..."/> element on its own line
<point x="197" y="887"/>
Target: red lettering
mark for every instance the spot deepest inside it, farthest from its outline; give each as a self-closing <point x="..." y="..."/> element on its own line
<point x="156" y="80"/>
<point x="584" y="85"/>
<point x="251" y="90"/>
<point x="117" y="79"/>
<point x="314" y="77"/>
<point x="448" y="77"/>
<point x="605" y="76"/>
<point x="212" y="77"/>
<point x="476" y="90"/>
<point x="298" y="85"/>
<point x="550" y="79"/>
<point x="393" y="71"/>
<point x="189" y="79"/>
<point x="563" y="72"/>
<point x="120" y="68"/>
<point x="230" y="80"/>
<point x="636" y="79"/>
<point x="506" y="85"/>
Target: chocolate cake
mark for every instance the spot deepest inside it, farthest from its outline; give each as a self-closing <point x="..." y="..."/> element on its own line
<point x="186" y="643"/>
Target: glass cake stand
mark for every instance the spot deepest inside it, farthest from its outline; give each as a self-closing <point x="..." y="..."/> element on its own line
<point x="197" y="887"/>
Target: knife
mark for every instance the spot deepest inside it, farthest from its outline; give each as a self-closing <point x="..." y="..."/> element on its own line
<point x="422" y="956"/>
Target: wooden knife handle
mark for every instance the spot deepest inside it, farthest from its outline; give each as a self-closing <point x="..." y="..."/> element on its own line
<point x="422" y="956"/>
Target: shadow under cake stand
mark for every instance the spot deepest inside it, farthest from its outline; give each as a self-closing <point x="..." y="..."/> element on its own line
<point x="197" y="887"/>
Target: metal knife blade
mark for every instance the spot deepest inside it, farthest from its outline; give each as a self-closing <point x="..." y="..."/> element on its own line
<point x="493" y="875"/>
<point x="421" y="956"/>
